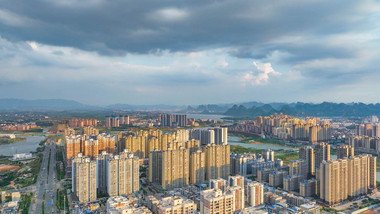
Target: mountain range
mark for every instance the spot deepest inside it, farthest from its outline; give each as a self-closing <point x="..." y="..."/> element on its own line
<point x="240" y="110"/>
<point x="325" y="109"/>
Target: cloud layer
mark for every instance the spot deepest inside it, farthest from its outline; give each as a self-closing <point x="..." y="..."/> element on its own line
<point x="176" y="52"/>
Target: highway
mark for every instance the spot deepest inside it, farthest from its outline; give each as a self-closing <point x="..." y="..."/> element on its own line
<point x="46" y="182"/>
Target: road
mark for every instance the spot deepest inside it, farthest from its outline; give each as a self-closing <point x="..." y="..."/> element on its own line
<point x="46" y="182"/>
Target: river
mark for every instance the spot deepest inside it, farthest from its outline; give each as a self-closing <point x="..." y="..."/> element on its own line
<point x="206" y="116"/>
<point x="29" y="145"/>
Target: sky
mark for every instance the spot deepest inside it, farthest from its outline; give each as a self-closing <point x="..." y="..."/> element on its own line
<point x="190" y="52"/>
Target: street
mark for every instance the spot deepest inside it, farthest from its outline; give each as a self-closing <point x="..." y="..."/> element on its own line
<point x="46" y="182"/>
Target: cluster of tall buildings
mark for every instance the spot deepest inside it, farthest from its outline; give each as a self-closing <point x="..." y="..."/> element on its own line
<point x="180" y="167"/>
<point x="364" y="143"/>
<point x="173" y="120"/>
<point x="314" y="174"/>
<point x="216" y="135"/>
<point x="89" y="145"/>
<point x="112" y="174"/>
<point x="116" y="121"/>
<point x="142" y="142"/>
<point x="346" y="178"/>
<point x="82" y="122"/>
<point x="288" y="128"/>
<point x="19" y="127"/>
<point x="368" y="129"/>
<point x="250" y="164"/>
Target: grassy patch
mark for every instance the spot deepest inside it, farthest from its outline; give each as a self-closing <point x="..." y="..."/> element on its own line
<point x="287" y="157"/>
<point x="11" y="140"/>
<point x="25" y="203"/>
<point x="62" y="201"/>
<point x="34" y="169"/>
<point x="248" y="138"/>
<point x="242" y="150"/>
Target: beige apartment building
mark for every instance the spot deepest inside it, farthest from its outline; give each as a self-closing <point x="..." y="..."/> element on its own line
<point x="73" y="146"/>
<point x="122" y="174"/>
<point x="84" y="179"/>
<point x="345" y="178"/>
<point x="197" y="167"/>
<point x="217" y="161"/>
<point x="170" y="168"/>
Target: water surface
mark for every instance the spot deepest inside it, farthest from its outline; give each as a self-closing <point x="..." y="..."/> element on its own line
<point x="29" y="145"/>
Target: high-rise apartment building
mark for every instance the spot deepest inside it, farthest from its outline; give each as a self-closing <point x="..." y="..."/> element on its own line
<point x="122" y="174"/>
<point x="170" y="168"/>
<point x="322" y="153"/>
<point x="308" y="188"/>
<point x="192" y="144"/>
<point x="205" y="136"/>
<point x="124" y="119"/>
<point x="69" y="131"/>
<point x="307" y="154"/>
<point x="298" y="167"/>
<point x="112" y="121"/>
<point x="89" y="130"/>
<point x="169" y="120"/>
<point x="72" y="146"/>
<point x="84" y="179"/>
<point x="344" y="178"/>
<point x="135" y="144"/>
<point x="101" y="170"/>
<point x="319" y="133"/>
<point x="91" y="148"/>
<point x="197" y="167"/>
<point x="276" y="178"/>
<point x="292" y="183"/>
<point x="106" y="142"/>
<point x="268" y="155"/>
<point x="239" y="164"/>
<point x="255" y="194"/>
<point x="81" y="122"/>
<point x="236" y="186"/>
<point x="217" y="161"/>
<point x="220" y="134"/>
<point x="345" y="151"/>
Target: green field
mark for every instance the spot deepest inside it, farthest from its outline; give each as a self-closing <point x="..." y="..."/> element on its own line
<point x="242" y="150"/>
<point x="9" y="140"/>
<point x="248" y="138"/>
<point x="287" y="157"/>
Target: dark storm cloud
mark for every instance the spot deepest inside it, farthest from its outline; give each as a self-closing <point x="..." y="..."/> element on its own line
<point x="234" y="49"/>
<point x="119" y="27"/>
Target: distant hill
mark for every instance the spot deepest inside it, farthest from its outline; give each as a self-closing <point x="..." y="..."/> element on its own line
<point x="306" y="109"/>
<point x="144" y="107"/>
<point x="42" y="104"/>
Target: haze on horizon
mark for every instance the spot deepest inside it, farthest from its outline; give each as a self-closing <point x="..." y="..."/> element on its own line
<point x="198" y="52"/>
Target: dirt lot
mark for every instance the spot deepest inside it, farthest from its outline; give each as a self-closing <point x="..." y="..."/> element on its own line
<point x="5" y="168"/>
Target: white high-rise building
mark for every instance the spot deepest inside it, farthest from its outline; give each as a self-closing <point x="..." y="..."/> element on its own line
<point x="255" y="193"/>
